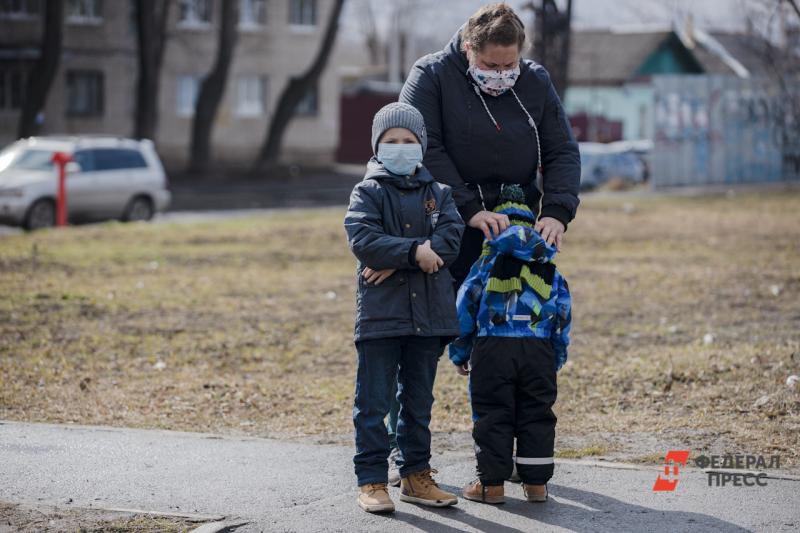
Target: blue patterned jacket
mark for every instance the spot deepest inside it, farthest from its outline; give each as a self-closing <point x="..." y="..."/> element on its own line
<point x="533" y="300"/>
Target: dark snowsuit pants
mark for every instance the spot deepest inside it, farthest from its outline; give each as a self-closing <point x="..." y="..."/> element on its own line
<point x="513" y="389"/>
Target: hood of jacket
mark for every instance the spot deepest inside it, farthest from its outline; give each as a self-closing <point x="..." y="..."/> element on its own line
<point x="454" y="53"/>
<point x="523" y="243"/>
<point x="376" y="171"/>
<point x="457" y="58"/>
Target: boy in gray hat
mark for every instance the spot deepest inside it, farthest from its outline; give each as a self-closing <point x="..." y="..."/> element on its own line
<point x="404" y="229"/>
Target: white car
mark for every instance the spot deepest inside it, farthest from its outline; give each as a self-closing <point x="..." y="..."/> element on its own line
<point x="109" y="178"/>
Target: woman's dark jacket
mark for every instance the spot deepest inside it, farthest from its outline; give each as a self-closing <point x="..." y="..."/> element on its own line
<point x="464" y="145"/>
<point x="388" y="217"/>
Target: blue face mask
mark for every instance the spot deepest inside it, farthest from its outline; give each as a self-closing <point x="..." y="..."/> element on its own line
<point x="400" y="159"/>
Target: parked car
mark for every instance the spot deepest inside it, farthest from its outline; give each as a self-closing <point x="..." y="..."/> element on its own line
<point x="109" y="178"/>
<point x="603" y="162"/>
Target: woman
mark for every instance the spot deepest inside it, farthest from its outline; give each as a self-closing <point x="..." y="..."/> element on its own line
<point x="494" y="118"/>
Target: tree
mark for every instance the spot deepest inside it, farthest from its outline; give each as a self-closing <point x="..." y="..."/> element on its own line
<point x="369" y="28"/>
<point x="44" y="70"/>
<point x="213" y="88"/>
<point x="295" y="90"/>
<point x="552" y="39"/>
<point x="793" y="4"/>
<point x="151" y="27"/>
<point x="774" y="36"/>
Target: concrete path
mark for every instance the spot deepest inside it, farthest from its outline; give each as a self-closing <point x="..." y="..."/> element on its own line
<point x="289" y="486"/>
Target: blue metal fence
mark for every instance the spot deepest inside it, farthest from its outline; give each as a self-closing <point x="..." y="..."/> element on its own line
<point x="723" y="130"/>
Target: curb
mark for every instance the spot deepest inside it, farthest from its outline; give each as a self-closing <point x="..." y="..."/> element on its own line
<point x="217" y="527"/>
<point x="191" y="517"/>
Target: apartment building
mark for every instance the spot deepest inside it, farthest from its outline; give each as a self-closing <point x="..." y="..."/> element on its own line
<point x="94" y="90"/>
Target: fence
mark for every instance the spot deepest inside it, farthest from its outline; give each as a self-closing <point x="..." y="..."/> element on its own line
<point x="724" y="130"/>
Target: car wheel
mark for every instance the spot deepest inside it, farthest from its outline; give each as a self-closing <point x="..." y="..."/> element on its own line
<point x="42" y="214"/>
<point x="139" y="208"/>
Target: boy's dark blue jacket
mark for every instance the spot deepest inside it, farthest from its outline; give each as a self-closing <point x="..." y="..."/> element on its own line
<point x="464" y="145"/>
<point x="388" y="217"/>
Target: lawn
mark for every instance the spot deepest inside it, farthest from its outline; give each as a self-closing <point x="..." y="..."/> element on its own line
<point x="686" y="327"/>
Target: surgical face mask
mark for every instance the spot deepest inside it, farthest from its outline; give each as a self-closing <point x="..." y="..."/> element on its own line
<point x="494" y="82"/>
<point x="400" y="159"/>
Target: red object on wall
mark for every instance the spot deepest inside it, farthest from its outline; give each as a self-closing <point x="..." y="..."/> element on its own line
<point x="356" y="110"/>
<point x="595" y="128"/>
<point x="61" y="159"/>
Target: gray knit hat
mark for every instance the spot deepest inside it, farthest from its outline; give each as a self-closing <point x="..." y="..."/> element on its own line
<point x="399" y="115"/>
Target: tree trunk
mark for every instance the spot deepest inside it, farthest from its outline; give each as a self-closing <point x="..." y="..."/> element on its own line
<point x="151" y="26"/>
<point x="293" y="93"/>
<point x="44" y="70"/>
<point x="566" y="42"/>
<point x="553" y="35"/>
<point x="213" y="88"/>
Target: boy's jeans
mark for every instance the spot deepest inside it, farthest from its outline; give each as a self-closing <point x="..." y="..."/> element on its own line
<point x="378" y="362"/>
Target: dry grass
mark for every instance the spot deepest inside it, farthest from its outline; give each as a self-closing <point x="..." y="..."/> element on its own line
<point x="245" y="326"/>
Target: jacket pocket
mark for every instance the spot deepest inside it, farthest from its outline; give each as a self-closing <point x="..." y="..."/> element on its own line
<point x="385" y="302"/>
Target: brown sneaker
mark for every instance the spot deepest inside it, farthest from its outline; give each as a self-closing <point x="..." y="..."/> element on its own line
<point x="420" y="488"/>
<point x="374" y="498"/>
<point x="478" y="492"/>
<point x="535" y="493"/>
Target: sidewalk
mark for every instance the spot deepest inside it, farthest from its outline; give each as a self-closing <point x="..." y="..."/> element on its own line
<point x="314" y="190"/>
<point x="289" y="486"/>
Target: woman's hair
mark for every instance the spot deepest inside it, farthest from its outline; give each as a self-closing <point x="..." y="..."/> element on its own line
<point x="495" y="24"/>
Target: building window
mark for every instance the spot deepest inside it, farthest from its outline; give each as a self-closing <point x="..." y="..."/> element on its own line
<point x="84" y="93"/>
<point x="303" y="12"/>
<point x="19" y="9"/>
<point x="252" y="14"/>
<point x="12" y="87"/>
<point x="250" y="96"/>
<point x="84" y="11"/>
<point x="309" y="105"/>
<point x="194" y="13"/>
<point x="188" y="87"/>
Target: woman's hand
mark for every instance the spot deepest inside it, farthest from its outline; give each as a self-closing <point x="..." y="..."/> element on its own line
<point x="463" y="370"/>
<point x="487" y="220"/>
<point x="428" y="260"/>
<point x="377" y="276"/>
<point x="551" y="230"/>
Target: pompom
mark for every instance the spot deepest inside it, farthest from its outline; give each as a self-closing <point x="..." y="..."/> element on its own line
<point x="512" y="193"/>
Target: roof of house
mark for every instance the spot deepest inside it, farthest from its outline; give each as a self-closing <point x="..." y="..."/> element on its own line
<point x="749" y="51"/>
<point x="612" y="57"/>
<point x="605" y="57"/>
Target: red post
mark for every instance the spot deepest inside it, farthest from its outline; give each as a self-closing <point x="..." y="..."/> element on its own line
<point x="61" y="159"/>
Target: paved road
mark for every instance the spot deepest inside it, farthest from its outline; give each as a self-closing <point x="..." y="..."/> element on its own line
<point x="290" y="486"/>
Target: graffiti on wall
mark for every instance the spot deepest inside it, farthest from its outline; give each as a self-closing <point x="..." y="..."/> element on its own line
<point x="721" y="129"/>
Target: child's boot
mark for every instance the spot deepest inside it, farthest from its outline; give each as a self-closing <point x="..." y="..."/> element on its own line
<point x="478" y="492"/>
<point x="374" y="498"/>
<point x="535" y="493"/>
<point x="420" y="487"/>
